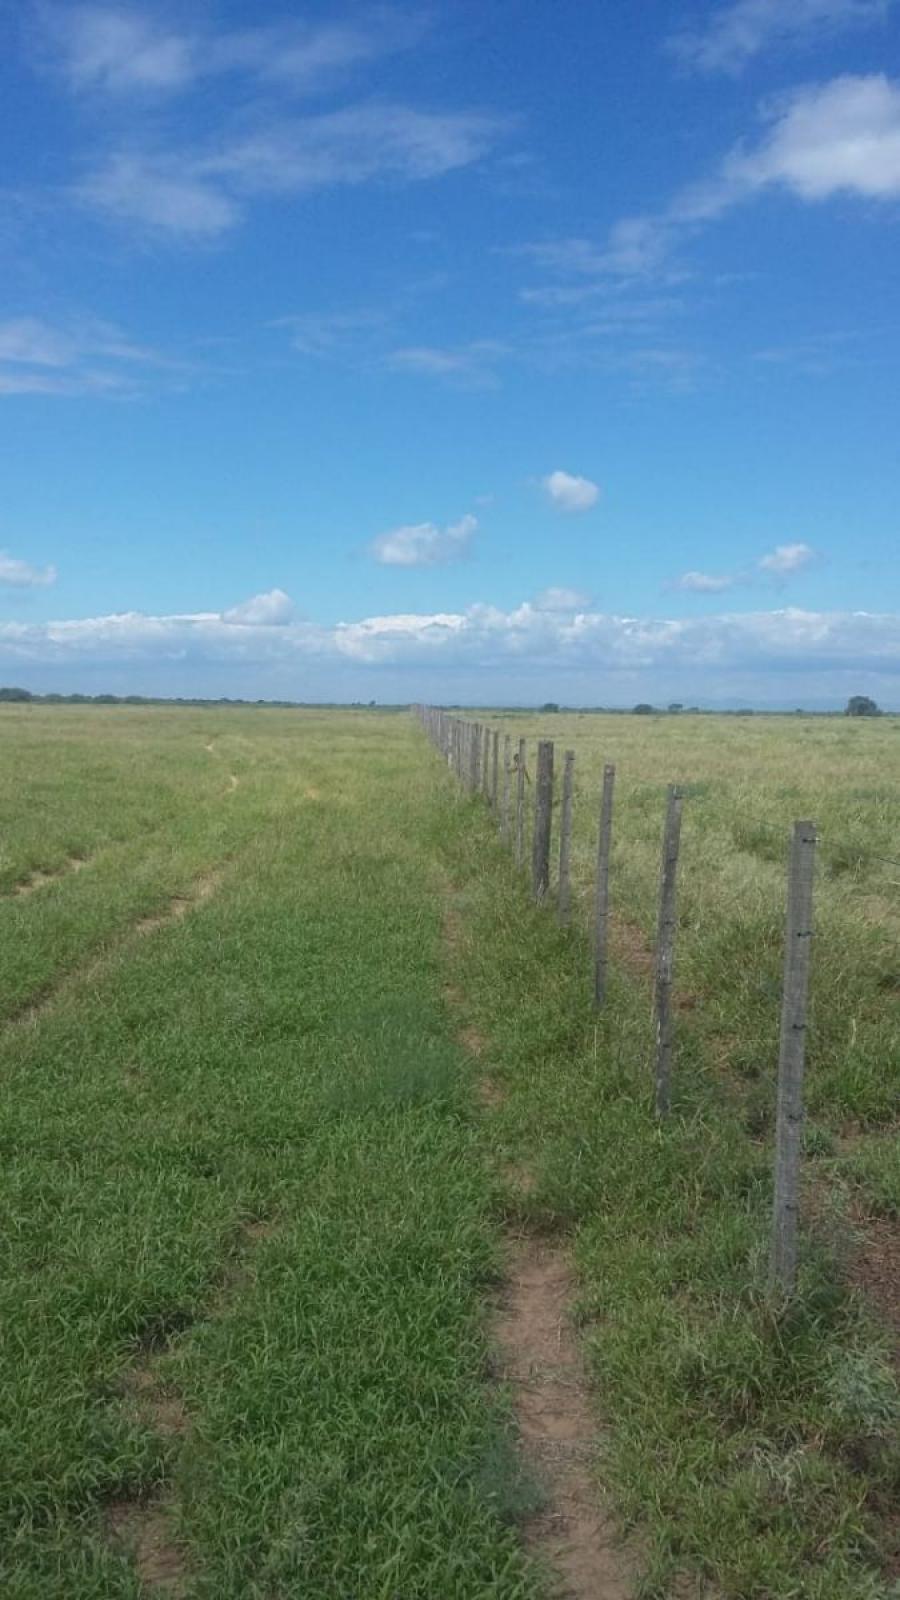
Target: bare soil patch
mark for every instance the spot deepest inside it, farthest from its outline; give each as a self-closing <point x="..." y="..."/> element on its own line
<point x="540" y="1359"/>
<point x="145" y="1531"/>
<point x="161" y="1408"/>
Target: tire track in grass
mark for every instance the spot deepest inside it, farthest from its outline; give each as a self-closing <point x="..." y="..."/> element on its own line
<point x="38" y="879"/>
<point x="202" y="889"/>
<point x="540" y="1360"/>
<point x="144" y="1527"/>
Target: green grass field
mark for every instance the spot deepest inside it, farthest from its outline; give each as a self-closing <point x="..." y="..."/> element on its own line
<point x="255" y="1208"/>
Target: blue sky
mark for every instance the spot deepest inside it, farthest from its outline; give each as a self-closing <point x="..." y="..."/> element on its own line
<point x="464" y="352"/>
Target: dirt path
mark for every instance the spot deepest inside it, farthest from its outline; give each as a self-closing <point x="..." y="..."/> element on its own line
<point x="557" y="1425"/>
<point x="539" y="1358"/>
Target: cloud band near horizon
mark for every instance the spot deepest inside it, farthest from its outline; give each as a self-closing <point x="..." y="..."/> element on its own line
<point x="537" y="645"/>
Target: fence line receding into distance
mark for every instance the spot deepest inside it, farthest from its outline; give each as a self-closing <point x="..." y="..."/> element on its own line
<point x="472" y="752"/>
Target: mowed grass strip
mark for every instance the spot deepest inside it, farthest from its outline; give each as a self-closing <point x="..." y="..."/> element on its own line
<point x="249" y="1228"/>
<point x="756" y="1450"/>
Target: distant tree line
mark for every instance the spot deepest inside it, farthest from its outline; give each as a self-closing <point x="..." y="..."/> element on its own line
<point x="13" y="695"/>
<point x="859" y="705"/>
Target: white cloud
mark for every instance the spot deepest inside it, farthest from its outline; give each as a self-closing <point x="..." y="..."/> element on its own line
<point x="117" y="49"/>
<point x="554" y="599"/>
<point x="269" y="610"/>
<point x="83" y="357"/>
<point x="199" y="194"/>
<point x="31" y="342"/>
<point x="424" y="544"/>
<point x="840" y="137"/>
<point x="626" y="656"/>
<point x="786" y="559"/>
<point x="72" y="387"/>
<point x="820" y="141"/>
<point x="20" y="574"/>
<point x="331" y="333"/>
<point x="634" y="247"/>
<point x="734" y="33"/>
<point x="353" y="145"/>
<point x="704" y="582"/>
<point x="120" y="50"/>
<point x="470" y="365"/>
<point x="569" y="492"/>
<point x="159" y="195"/>
<point x="833" y="138"/>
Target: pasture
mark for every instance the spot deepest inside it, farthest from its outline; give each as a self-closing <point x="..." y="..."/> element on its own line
<point x="289" y="1064"/>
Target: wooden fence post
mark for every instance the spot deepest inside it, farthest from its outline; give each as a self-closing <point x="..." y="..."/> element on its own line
<point x="475" y="752"/>
<point x="504" y="808"/>
<point x="601" y="904"/>
<point x="520" y="802"/>
<point x="486" y="764"/>
<point x="665" y="952"/>
<point x="791" y="1058"/>
<point x="543" y="820"/>
<point x="564" y="889"/>
<point x="495" y="766"/>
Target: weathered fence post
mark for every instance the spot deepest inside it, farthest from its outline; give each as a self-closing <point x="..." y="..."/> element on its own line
<point x="601" y="903"/>
<point x="495" y="764"/>
<point x="791" y="1058"/>
<point x="543" y="820"/>
<point x="564" y="889"/>
<point x="486" y="764"/>
<point x="520" y="803"/>
<point x="504" y="810"/>
<point x="665" y="952"/>
<point x="475" y="752"/>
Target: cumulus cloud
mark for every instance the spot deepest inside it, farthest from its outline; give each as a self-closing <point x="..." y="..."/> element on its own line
<point x="833" y="138"/>
<point x="562" y="600"/>
<point x="570" y="492"/>
<point x="786" y="559"/>
<point x="704" y="582"/>
<point x="840" y="137"/>
<point x="270" y="610"/>
<point x="424" y="544"/>
<point x="733" y="34"/>
<point x="20" y="574"/>
<point x="767" y="647"/>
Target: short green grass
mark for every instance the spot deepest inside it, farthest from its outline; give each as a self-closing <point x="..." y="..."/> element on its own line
<point x="245" y="1152"/>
